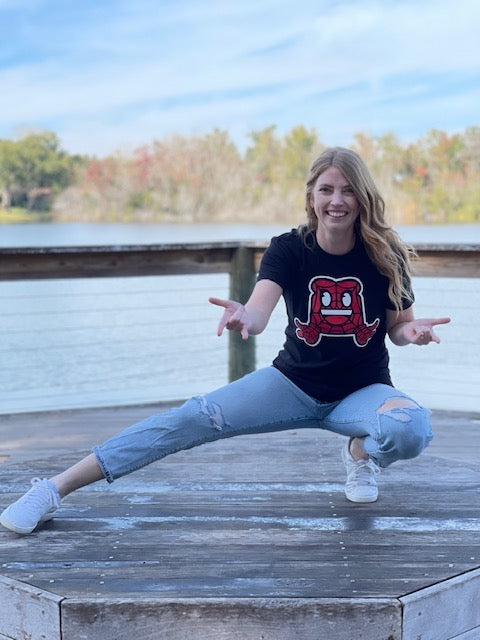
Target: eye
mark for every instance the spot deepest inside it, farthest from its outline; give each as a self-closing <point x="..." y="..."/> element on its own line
<point x="346" y="299"/>
<point x="326" y="299"/>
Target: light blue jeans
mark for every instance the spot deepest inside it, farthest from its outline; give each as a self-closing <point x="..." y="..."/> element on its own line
<point x="393" y="426"/>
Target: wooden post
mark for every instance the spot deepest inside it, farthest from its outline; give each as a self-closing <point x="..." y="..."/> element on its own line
<point x="241" y="356"/>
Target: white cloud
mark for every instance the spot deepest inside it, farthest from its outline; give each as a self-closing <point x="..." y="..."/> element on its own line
<point x="104" y="77"/>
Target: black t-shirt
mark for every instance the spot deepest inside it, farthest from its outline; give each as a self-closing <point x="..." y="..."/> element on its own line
<point x="336" y="307"/>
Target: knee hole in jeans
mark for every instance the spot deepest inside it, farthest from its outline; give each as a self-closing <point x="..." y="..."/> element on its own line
<point x="394" y="407"/>
<point x="213" y="411"/>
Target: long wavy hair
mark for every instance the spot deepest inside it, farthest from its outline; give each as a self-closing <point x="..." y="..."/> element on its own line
<point x="384" y="246"/>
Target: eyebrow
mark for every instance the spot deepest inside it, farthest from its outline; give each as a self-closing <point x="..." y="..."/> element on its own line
<point x="327" y="184"/>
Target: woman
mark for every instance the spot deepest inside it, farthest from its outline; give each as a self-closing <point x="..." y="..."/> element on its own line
<point x="345" y="279"/>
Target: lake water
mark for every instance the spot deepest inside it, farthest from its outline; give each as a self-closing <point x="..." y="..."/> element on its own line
<point x="109" y="341"/>
<point x="73" y="234"/>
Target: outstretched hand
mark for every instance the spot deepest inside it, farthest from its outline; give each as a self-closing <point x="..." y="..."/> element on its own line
<point x="421" y="331"/>
<point x="235" y="317"/>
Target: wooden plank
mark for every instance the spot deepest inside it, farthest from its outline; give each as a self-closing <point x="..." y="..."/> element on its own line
<point x="446" y="443"/>
<point x="230" y="619"/>
<point x="256" y="518"/>
<point x="116" y="261"/>
<point x="473" y="634"/>
<point x="450" y="261"/>
<point x="255" y="535"/>
<point x="34" y="436"/>
<point x="28" y="612"/>
<point x="21" y="437"/>
<point x="86" y="262"/>
<point x="444" y="611"/>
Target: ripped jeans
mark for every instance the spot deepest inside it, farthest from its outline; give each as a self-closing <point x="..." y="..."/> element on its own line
<point x="393" y="426"/>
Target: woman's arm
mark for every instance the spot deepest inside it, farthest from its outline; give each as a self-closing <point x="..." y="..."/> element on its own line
<point x="253" y="317"/>
<point x="403" y="329"/>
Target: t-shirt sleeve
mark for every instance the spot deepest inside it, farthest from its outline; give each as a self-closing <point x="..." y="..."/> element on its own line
<point x="276" y="263"/>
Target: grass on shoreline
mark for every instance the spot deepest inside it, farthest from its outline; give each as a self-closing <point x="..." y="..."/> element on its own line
<point x="18" y="215"/>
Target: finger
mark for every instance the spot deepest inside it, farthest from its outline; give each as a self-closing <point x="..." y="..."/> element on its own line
<point x="441" y="320"/>
<point x="432" y="321"/>
<point x="226" y="304"/>
<point x="422" y="335"/>
<point x="422" y="331"/>
<point x="221" y="325"/>
<point x="219" y="302"/>
<point x="237" y="321"/>
<point x="428" y="336"/>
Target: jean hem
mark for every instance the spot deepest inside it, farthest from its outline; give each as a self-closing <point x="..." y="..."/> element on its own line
<point x="103" y="467"/>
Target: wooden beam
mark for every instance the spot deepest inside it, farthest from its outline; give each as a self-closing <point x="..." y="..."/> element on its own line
<point x="28" y="612"/>
<point x="119" y="261"/>
<point x="242" y="280"/>
<point x="227" y="618"/>
<point x="448" y="261"/>
<point x="453" y="261"/>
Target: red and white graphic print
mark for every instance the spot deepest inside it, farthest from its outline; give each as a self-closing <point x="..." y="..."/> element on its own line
<point x="336" y="309"/>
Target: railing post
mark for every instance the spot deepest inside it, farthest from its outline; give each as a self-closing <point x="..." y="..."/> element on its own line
<point x="241" y="355"/>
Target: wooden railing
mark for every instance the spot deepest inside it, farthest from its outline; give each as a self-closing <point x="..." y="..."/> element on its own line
<point x="239" y="259"/>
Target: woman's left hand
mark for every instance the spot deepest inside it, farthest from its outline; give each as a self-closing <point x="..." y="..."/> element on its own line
<point x="421" y="331"/>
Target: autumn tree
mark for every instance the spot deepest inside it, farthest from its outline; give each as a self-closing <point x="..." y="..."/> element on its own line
<point x="206" y="179"/>
<point x="279" y="167"/>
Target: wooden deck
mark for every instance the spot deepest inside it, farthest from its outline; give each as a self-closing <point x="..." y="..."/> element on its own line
<point x="249" y="539"/>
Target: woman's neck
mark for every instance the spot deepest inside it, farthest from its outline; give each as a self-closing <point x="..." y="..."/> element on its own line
<point x="336" y="244"/>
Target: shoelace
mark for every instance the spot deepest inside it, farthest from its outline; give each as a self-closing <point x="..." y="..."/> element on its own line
<point x="363" y="470"/>
<point x="37" y="499"/>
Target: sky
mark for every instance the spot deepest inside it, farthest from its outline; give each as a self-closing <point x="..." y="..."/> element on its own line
<point x="112" y="75"/>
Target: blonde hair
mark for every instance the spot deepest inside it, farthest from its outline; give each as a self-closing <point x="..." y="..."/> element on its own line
<point x="384" y="246"/>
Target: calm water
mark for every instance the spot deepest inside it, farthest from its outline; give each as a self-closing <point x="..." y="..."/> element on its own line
<point x="107" y="341"/>
<point x="48" y="235"/>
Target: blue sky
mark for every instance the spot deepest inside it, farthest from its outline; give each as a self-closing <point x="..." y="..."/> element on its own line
<point x="109" y="75"/>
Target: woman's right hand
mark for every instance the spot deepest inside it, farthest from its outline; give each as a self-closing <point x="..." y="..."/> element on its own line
<point x="235" y="317"/>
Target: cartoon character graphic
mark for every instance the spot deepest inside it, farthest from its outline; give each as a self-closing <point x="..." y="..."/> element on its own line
<point x="336" y="308"/>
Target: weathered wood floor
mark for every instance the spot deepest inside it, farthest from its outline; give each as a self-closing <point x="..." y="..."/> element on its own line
<point x="249" y="539"/>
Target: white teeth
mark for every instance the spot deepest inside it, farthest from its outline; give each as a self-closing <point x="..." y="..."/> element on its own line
<point x="337" y="214"/>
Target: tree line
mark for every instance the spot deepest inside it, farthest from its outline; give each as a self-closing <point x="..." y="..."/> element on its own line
<point x="34" y="170"/>
<point x="205" y="178"/>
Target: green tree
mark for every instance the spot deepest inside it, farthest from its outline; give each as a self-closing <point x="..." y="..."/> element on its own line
<point x="299" y="146"/>
<point x="8" y="172"/>
<point x="33" y="169"/>
<point x="262" y="155"/>
<point x="278" y="168"/>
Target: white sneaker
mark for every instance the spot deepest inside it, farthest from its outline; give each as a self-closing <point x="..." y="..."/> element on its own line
<point x="361" y="485"/>
<point x="36" y="506"/>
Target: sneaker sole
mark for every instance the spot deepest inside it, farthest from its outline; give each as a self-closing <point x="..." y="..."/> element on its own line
<point x="12" y="527"/>
<point x="360" y="499"/>
<point x="5" y="522"/>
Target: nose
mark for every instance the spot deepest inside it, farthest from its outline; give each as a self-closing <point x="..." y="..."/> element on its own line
<point x="337" y="197"/>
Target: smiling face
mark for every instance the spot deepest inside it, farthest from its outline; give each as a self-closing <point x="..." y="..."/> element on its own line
<point x="336" y="208"/>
